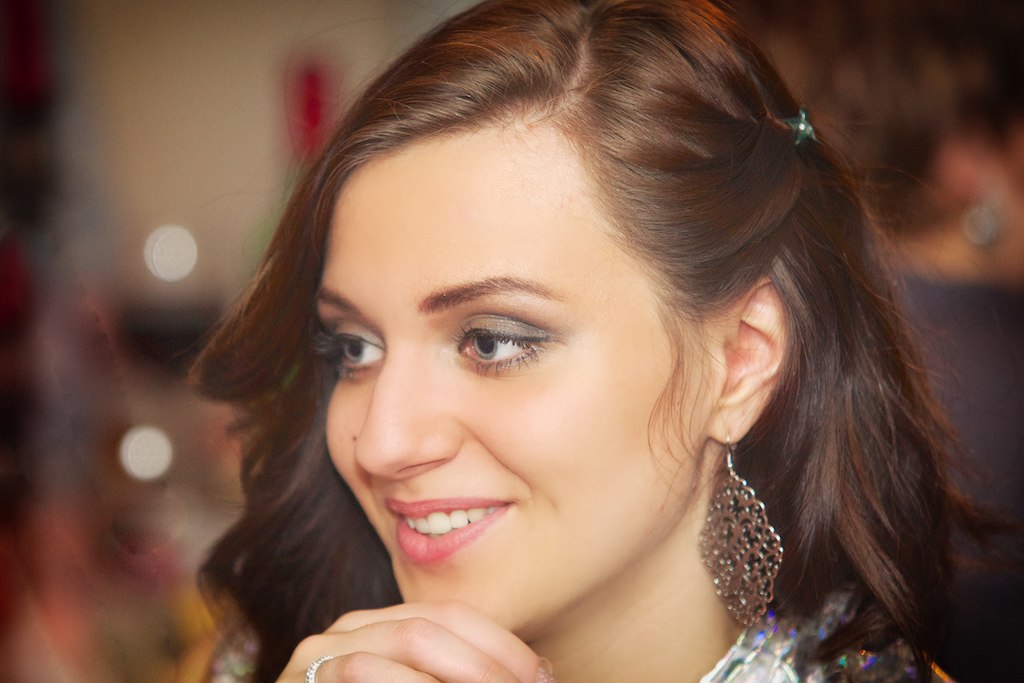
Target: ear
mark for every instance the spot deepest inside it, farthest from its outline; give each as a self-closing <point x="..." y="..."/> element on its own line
<point x="753" y="344"/>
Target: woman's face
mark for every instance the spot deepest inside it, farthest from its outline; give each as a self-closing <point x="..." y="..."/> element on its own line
<point x="500" y="361"/>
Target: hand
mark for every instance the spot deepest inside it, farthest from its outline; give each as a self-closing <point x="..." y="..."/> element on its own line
<point x="418" y="642"/>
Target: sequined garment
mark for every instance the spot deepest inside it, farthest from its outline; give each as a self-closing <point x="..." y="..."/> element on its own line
<point x="235" y="659"/>
<point x="777" y="650"/>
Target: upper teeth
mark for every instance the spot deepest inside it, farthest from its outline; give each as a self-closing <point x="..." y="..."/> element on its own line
<point x="440" y="523"/>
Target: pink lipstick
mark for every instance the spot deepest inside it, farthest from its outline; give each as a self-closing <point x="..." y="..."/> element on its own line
<point x="431" y="531"/>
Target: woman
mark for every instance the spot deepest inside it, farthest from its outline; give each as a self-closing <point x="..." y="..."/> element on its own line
<point x="568" y="277"/>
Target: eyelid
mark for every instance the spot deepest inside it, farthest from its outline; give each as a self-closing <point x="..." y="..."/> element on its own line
<point x="501" y="325"/>
<point x="350" y="327"/>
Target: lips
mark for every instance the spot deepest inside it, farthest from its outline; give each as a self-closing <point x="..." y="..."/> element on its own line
<point x="429" y="532"/>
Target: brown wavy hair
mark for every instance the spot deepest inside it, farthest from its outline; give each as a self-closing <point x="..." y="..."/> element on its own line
<point x="680" y="120"/>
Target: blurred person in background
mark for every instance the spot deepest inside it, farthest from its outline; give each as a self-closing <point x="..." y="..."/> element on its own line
<point x="927" y="97"/>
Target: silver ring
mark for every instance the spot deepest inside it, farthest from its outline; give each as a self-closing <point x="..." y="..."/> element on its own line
<point x="311" y="671"/>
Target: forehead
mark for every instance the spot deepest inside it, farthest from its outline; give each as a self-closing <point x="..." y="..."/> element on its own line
<point x="511" y="200"/>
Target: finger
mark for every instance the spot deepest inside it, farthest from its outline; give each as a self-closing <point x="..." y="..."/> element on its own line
<point x="368" y="667"/>
<point x="417" y="643"/>
<point x="430" y="647"/>
<point x="490" y="638"/>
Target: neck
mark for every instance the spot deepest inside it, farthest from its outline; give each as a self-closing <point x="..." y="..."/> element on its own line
<point x="660" y="622"/>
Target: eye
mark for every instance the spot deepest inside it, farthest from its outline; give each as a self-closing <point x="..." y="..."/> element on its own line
<point x="494" y="344"/>
<point x="489" y="347"/>
<point x="355" y="351"/>
<point x="348" y="353"/>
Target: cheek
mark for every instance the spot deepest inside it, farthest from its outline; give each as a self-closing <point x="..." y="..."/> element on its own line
<point x="590" y="420"/>
<point x="344" y="416"/>
<point x="600" y="432"/>
<point x="679" y="427"/>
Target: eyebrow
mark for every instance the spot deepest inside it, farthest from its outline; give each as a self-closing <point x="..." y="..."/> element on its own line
<point x="447" y="299"/>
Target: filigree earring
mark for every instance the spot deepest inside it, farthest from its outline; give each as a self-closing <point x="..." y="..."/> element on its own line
<point x="740" y="548"/>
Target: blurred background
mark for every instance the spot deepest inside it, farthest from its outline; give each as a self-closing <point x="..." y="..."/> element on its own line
<point x="147" y="149"/>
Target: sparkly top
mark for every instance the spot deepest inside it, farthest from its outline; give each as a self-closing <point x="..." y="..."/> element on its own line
<point x="773" y="650"/>
<point x="777" y="650"/>
<point x="235" y="659"/>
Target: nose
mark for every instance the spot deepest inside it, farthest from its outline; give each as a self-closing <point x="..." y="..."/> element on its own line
<point x="409" y="426"/>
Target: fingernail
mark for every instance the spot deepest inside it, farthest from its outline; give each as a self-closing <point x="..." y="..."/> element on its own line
<point x="544" y="674"/>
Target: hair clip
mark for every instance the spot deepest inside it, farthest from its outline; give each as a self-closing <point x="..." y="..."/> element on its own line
<point x="802" y="128"/>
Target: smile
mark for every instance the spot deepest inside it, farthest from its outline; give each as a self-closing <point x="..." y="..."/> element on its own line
<point x="441" y="523"/>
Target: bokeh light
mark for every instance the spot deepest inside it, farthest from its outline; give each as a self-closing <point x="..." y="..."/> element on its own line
<point x="146" y="452"/>
<point x="171" y="253"/>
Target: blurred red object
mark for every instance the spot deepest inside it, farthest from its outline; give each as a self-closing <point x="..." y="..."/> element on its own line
<point x="310" y="91"/>
<point x="15" y="286"/>
<point x="26" y="66"/>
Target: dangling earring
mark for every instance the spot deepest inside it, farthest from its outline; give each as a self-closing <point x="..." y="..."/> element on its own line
<point x="740" y="548"/>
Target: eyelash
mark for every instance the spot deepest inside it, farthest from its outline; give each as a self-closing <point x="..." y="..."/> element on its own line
<point x="530" y="345"/>
<point x="331" y="347"/>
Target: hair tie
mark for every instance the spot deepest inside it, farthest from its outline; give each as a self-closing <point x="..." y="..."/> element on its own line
<point x="802" y="128"/>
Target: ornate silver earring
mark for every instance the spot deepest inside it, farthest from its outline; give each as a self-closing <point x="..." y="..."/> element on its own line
<point x="740" y="548"/>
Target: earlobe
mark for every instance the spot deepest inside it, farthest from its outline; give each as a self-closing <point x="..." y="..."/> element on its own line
<point x="753" y="347"/>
